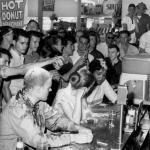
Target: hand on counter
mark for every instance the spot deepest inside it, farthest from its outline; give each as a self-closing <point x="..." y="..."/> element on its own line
<point x="84" y="136"/>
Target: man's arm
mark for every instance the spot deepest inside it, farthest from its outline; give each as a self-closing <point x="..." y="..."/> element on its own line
<point x="56" y="120"/>
<point x="6" y="90"/>
<point x="79" y="64"/>
<point x="21" y="70"/>
<point x="24" y="127"/>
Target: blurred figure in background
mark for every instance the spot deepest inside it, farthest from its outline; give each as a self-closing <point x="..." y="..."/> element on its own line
<point x="130" y="23"/>
<point x="33" y="25"/>
<point x="103" y="47"/>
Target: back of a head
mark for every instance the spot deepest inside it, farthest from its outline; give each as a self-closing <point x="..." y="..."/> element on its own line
<point x="82" y="79"/>
<point x="35" y="34"/>
<point x="36" y="77"/>
<point x="95" y="65"/>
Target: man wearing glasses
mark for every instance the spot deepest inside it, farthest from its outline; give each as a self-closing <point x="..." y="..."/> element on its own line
<point x="103" y="47"/>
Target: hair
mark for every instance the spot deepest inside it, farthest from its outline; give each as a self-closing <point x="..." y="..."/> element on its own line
<point x="35" y="33"/>
<point x="114" y="46"/>
<point x="143" y="5"/>
<point x="85" y="37"/>
<point x="36" y="77"/>
<point x="34" y="21"/>
<point x="66" y="40"/>
<point x="75" y="79"/>
<point x="20" y="32"/>
<point x="124" y="32"/>
<point x="131" y="5"/>
<point x="6" y="52"/>
<point x="95" y="65"/>
<point x="93" y="33"/>
<point x="88" y="77"/>
<point x="54" y="39"/>
<point x="4" y="30"/>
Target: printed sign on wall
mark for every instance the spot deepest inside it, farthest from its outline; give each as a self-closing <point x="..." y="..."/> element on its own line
<point x="12" y="12"/>
<point x="48" y="5"/>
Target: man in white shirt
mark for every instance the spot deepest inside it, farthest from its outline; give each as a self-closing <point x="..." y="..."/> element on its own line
<point x="129" y="22"/>
<point x="21" y="41"/>
<point x="103" y="47"/>
<point x="82" y="49"/>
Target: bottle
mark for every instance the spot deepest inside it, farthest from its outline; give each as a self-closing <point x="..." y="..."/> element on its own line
<point x="19" y="145"/>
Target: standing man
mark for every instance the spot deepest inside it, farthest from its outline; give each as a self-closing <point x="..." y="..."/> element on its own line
<point x="125" y="47"/>
<point x="143" y="19"/>
<point x="21" y="41"/>
<point x="130" y="23"/>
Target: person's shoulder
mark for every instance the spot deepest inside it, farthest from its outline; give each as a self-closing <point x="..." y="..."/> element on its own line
<point x="12" y="51"/>
<point x="61" y="92"/>
<point x="105" y="83"/>
<point x="17" y="108"/>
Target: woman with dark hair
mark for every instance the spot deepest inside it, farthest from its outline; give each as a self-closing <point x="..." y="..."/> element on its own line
<point x="101" y="87"/>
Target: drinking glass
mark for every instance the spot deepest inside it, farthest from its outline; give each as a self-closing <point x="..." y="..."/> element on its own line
<point x="42" y="146"/>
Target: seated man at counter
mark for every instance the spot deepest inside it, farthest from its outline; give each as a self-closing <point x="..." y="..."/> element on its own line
<point x="21" y="116"/>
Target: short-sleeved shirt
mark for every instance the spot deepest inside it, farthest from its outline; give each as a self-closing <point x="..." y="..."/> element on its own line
<point x="130" y="26"/>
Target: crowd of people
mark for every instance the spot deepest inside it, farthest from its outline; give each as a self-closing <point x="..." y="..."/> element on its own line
<point x="80" y="70"/>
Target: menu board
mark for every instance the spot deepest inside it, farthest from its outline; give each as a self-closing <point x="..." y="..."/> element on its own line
<point x="100" y="8"/>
